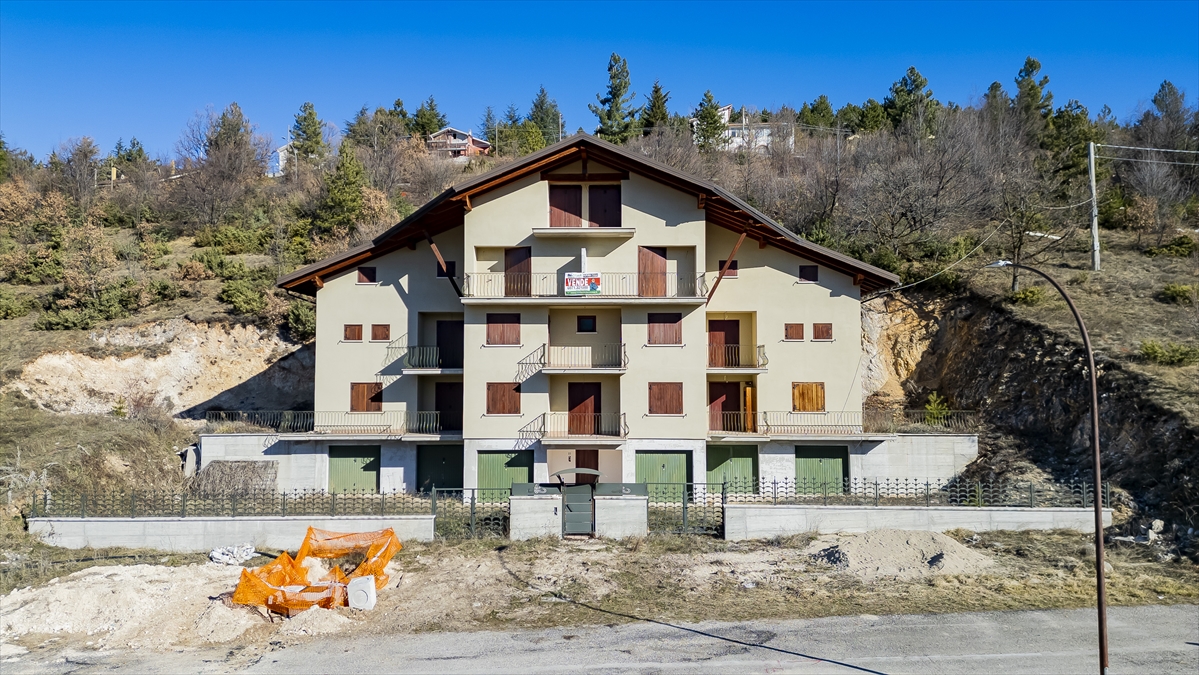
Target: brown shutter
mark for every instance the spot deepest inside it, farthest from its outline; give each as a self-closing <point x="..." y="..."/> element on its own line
<point x="503" y="329"/>
<point x="603" y="205"/>
<point x="807" y="396"/>
<point x="366" y="397"/>
<point x="793" y="331"/>
<point x="666" y="398"/>
<point x="380" y="331"/>
<point x="651" y="271"/>
<point x="518" y="272"/>
<point x="366" y="275"/>
<point x="503" y="398"/>
<point x="822" y="331"/>
<point x="665" y="328"/>
<point x="566" y="206"/>
<point x="352" y="332"/>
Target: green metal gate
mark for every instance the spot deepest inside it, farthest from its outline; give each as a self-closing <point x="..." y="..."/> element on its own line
<point x="665" y="467"/>
<point x="438" y="466"/>
<point x="734" y="465"/>
<point x="499" y="470"/>
<point x="821" y="468"/>
<point x="354" y="468"/>
<point x="578" y="515"/>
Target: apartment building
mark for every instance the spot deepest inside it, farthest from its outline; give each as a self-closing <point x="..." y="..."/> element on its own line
<point x="585" y="307"/>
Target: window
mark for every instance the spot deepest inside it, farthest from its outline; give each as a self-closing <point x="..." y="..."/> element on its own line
<point x="731" y="273"/>
<point x="503" y="329"/>
<point x="451" y="269"/>
<point x="807" y="396"/>
<point x="381" y="331"/>
<point x="793" y="331"/>
<point x="666" y="398"/>
<point x="585" y="324"/>
<point x="352" y="332"/>
<point x="366" y="275"/>
<point x="366" y="397"/>
<point x="665" y="328"/>
<point x="809" y="273"/>
<point x="503" y="398"/>
<point x="822" y="331"/>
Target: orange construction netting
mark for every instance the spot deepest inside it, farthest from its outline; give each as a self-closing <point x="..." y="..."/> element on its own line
<point x="282" y="585"/>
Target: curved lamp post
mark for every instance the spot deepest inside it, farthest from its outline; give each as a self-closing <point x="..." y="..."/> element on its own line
<point x="1101" y="590"/>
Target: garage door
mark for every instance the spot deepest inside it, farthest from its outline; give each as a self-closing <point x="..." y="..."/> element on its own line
<point x="736" y="466"/>
<point x="438" y="465"/>
<point x="354" y="468"/>
<point x="664" y="467"/>
<point x="499" y="470"/>
<point x="821" y="467"/>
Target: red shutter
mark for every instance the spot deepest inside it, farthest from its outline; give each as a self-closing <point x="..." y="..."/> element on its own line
<point x="503" y="329"/>
<point x="793" y="331"/>
<point x="665" y="328"/>
<point x="822" y="331"/>
<point x="380" y="331"/>
<point x="503" y="398"/>
<point x="352" y="332"/>
<point x="566" y="206"/>
<point x="666" y="398"/>
<point x="603" y="205"/>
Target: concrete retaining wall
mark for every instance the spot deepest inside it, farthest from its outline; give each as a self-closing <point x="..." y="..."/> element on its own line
<point x="205" y="534"/>
<point x="753" y="521"/>
<point x="532" y="517"/>
<point x="620" y="517"/>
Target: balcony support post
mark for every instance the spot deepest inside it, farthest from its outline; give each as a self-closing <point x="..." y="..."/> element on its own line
<point x="441" y="261"/>
<point x="725" y="267"/>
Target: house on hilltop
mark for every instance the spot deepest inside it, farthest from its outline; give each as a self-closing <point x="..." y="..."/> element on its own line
<point x="454" y="143"/>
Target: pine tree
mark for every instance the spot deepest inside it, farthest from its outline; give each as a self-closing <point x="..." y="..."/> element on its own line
<point x="308" y="142"/>
<point x="490" y="124"/>
<point x="909" y="100"/>
<point x="342" y="205"/>
<point x="655" y="114"/>
<point x="849" y="117"/>
<point x="530" y="137"/>
<point x="545" y="114"/>
<point x="616" y="120"/>
<point x="1033" y="104"/>
<point x="819" y="114"/>
<point x="427" y="120"/>
<point x="874" y="117"/>
<point x="709" y="127"/>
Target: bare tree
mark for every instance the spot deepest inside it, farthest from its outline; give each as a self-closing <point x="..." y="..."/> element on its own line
<point x="73" y="169"/>
<point x="224" y="160"/>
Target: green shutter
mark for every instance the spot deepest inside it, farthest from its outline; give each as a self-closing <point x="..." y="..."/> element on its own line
<point x="499" y="470"/>
<point x="664" y="467"/>
<point x="736" y="465"/>
<point x="821" y="467"/>
<point x="354" y="468"/>
<point x="440" y="466"/>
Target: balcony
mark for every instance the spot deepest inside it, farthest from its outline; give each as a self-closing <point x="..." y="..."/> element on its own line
<point x="592" y="427"/>
<point x="784" y="424"/>
<point x="738" y="358"/>
<point x="628" y="286"/>
<point x="335" y="423"/>
<point x="428" y="360"/>
<point x="598" y="358"/>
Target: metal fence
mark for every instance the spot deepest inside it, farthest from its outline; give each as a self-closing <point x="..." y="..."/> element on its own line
<point x="569" y="424"/>
<point x="913" y="492"/>
<point x="586" y="356"/>
<point x="686" y="508"/>
<point x="387" y="422"/>
<point x="737" y="356"/>
<point x="458" y="513"/>
<point x="789" y="423"/>
<point x="612" y="285"/>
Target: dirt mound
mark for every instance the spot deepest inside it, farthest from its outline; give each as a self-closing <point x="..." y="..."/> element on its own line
<point x="315" y="621"/>
<point x="897" y="554"/>
<point x="221" y="623"/>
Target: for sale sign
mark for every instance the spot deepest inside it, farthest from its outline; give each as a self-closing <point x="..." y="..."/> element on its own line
<point x="582" y="283"/>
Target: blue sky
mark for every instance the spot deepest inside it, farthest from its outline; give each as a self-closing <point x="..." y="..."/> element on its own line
<point x="140" y="69"/>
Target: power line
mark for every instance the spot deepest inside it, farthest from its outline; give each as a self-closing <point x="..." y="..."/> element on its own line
<point x="1072" y="206"/>
<point x="1133" y="147"/>
<point x="943" y="270"/>
<point x="1148" y="161"/>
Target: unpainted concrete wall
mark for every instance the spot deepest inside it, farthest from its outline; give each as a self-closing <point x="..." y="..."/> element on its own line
<point x="753" y="521"/>
<point x="620" y="517"/>
<point x="532" y="517"/>
<point x="205" y="534"/>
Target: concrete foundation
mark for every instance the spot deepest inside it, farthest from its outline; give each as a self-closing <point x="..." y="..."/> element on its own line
<point x="753" y="521"/>
<point x="205" y="534"/>
<point x="620" y="517"/>
<point x="537" y="516"/>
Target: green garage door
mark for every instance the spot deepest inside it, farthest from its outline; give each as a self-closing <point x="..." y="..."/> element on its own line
<point x="821" y="467"/>
<point x="353" y="468"/>
<point x="664" y="467"/>
<point x="734" y="465"/>
<point x="501" y="470"/>
<point x="440" y="466"/>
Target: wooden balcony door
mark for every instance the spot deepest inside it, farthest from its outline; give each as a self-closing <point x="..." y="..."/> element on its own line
<point x="651" y="271"/>
<point x="447" y="398"/>
<point x="583" y="398"/>
<point x="450" y="338"/>
<point x="518" y="272"/>
<point x="586" y="459"/>
<point x="724" y="343"/>
<point x="566" y="206"/>
<point x="724" y="406"/>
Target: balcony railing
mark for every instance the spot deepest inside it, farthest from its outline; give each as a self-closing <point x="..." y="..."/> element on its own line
<point x="583" y="357"/>
<point x="421" y="356"/>
<point x="387" y="422"/>
<point x="612" y="285"/>
<point x="734" y="422"/>
<point x="737" y="356"/>
<point x="844" y="422"/>
<point x="570" y="425"/>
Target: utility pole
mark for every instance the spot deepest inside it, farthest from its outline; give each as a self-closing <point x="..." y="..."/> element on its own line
<point x="1094" y="208"/>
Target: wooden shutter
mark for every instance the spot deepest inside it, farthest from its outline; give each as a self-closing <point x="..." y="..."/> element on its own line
<point x="352" y="332"/>
<point x="603" y="205"/>
<point x="807" y="396"/>
<point x="666" y="398"/>
<point x="366" y="397"/>
<point x="822" y="331"/>
<point x="793" y="331"/>
<point x="503" y="329"/>
<point x="566" y="206"/>
<point x="366" y="275"/>
<point x="503" y="398"/>
<point x="731" y="271"/>
<point x="380" y="331"/>
<point x="518" y="271"/>
<point x="665" y="328"/>
<point x="809" y="273"/>
<point x="651" y="271"/>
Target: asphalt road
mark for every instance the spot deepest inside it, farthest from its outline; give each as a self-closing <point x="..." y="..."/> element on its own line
<point x="1143" y="640"/>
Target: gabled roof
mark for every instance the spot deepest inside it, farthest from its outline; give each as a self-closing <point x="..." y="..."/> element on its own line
<point x="446" y="211"/>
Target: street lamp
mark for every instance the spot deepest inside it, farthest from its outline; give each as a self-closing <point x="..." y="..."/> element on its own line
<point x="1100" y="588"/>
